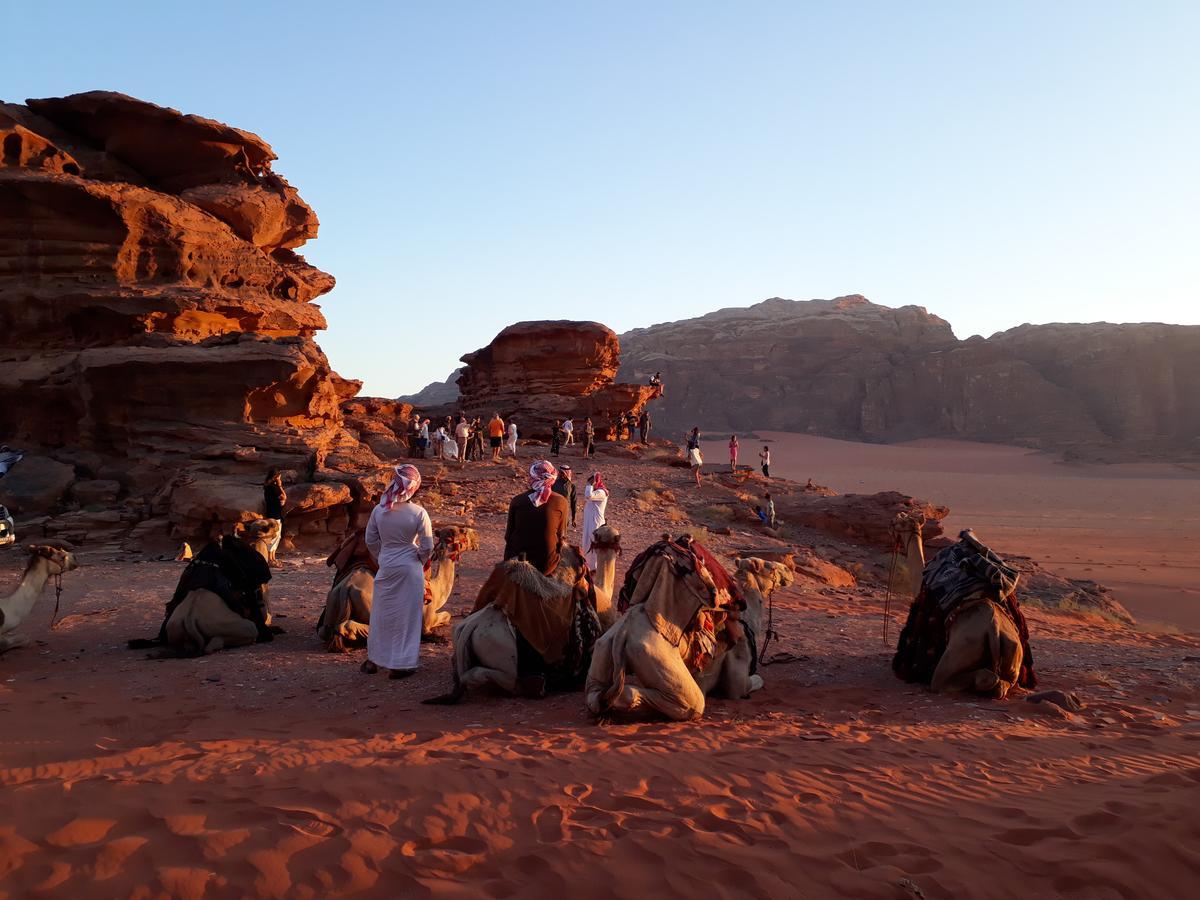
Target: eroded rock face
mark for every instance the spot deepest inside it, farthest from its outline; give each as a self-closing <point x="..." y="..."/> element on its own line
<point x="536" y="372"/>
<point x="154" y="316"/>
<point x="852" y="369"/>
<point x="861" y="518"/>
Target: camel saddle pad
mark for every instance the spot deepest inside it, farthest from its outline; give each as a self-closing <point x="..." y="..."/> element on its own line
<point x="541" y="608"/>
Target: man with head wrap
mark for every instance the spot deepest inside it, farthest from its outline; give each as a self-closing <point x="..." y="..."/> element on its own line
<point x="400" y="537"/>
<point x="538" y="520"/>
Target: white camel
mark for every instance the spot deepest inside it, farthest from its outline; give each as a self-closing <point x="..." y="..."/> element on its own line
<point x="485" y="644"/>
<point x="46" y="561"/>
<point x="665" y="684"/>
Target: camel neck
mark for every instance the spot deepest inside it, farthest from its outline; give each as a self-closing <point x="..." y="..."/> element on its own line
<point x="18" y="604"/>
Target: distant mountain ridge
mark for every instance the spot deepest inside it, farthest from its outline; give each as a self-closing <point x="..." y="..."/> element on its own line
<point x="853" y="369"/>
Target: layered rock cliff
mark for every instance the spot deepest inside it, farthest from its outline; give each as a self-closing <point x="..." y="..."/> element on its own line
<point x="536" y="372"/>
<point x="852" y="369"/>
<point x="154" y="317"/>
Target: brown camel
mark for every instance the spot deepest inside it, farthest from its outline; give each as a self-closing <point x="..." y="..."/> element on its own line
<point x="909" y="555"/>
<point x="46" y="560"/>
<point x="983" y="651"/>
<point x="345" y="623"/>
<point x="664" y="684"/>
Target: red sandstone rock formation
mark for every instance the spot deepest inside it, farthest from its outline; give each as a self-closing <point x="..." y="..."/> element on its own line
<point x="862" y="518"/>
<point x="536" y="372"/>
<point x="154" y="317"/>
<point x="851" y="369"/>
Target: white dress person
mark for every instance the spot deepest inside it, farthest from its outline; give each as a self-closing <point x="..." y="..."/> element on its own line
<point x="400" y="536"/>
<point x="595" y="504"/>
<point x="512" y="437"/>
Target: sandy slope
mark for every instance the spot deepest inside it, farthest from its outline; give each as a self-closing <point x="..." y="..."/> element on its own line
<point x="1133" y="527"/>
<point x="282" y="771"/>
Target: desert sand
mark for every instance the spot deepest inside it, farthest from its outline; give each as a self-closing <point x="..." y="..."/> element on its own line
<point x="1134" y="527"/>
<point x="282" y="771"/>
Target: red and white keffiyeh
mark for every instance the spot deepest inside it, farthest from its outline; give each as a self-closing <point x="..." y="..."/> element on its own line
<point x="404" y="484"/>
<point x="598" y="482"/>
<point x="541" y="481"/>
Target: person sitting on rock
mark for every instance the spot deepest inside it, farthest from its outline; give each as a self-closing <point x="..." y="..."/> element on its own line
<point x="537" y="520"/>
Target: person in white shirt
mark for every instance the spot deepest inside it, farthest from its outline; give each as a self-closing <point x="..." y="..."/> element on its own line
<point x="595" y="506"/>
<point x="568" y="429"/>
<point x="512" y="437"/>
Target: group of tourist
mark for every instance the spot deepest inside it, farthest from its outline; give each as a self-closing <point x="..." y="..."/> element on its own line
<point x="462" y="440"/>
<point x="400" y="537"/>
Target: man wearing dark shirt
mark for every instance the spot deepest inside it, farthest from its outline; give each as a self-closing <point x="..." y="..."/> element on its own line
<point x="565" y="487"/>
<point x="274" y="497"/>
<point x="537" y="531"/>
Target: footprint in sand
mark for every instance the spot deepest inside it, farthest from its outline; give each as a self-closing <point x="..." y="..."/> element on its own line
<point x="549" y="823"/>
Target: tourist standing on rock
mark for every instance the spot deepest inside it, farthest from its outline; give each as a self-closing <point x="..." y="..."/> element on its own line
<point x="414" y="437"/>
<point x="274" y="497"/>
<point x="424" y="438"/>
<point x="439" y="443"/>
<point x="537" y="520"/>
<point x="770" y="509"/>
<point x="733" y="452"/>
<point x="589" y="437"/>
<point x="565" y="487"/>
<point x="595" y="505"/>
<point x="644" y="426"/>
<point x="400" y="537"/>
<point x="568" y="432"/>
<point x="765" y="456"/>
<point x="694" y="457"/>
<point x="556" y="437"/>
<point x="496" y="435"/>
<point x="477" y="439"/>
<point x="512" y="438"/>
<point x="462" y="432"/>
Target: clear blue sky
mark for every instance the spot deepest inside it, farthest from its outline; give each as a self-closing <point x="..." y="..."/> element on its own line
<point x="478" y="163"/>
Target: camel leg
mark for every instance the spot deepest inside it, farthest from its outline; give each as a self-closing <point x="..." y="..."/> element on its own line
<point x="355" y="633"/>
<point x="479" y="676"/>
<point x="13" y="641"/>
<point x="437" y="620"/>
<point x="665" y="684"/>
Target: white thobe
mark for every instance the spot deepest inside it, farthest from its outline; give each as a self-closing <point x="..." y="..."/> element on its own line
<point x="595" y="502"/>
<point x="401" y="539"/>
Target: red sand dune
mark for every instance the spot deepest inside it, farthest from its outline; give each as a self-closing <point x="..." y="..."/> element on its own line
<point x="281" y="771"/>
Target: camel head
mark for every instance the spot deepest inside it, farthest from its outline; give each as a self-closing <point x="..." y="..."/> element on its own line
<point x="259" y="533"/>
<point x="454" y="540"/>
<point x="58" y="555"/>
<point x="763" y="575"/>
<point x="909" y="521"/>
<point x="606" y="537"/>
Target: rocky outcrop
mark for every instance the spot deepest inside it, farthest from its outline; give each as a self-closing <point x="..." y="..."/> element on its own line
<point x="861" y="518"/>
<point x="380" y="424"/>
<point x="852" y="369"/>
<point x="1049" y="591"/>
<point x="536" y="372"/>
<point x="154" y="317"/>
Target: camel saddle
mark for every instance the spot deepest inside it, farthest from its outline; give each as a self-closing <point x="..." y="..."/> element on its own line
<point x="688" y="597"/>
<point x="352" y="553"/>
<point x="960" y="576"/>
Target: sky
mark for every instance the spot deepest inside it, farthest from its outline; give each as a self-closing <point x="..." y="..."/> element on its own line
<point x="474" y="164"/>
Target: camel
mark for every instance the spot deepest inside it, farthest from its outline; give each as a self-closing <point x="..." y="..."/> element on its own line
<point x="665" y="684"/>
<point x="485" y="644"/>
<point x="346" y="622"/>
<point x="983" y="651"/>
<point x="909" y="560"/>
<point x="46" y="561"/>
<point x="965" y="630"/>
<point x="729" y="674"/>
<point x="452" y="542"/>
<point x="203" y="623"/>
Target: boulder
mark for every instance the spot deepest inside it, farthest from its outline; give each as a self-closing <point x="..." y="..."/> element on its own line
<point x="536" y="372"/>
<point x="35" y="485"/>
<point x="862" y="518"/>
<point x="1049" y="591"/>
<point x="171" y="327"/>
<point x="91" y="492"/>
<point x="306" y="498"/>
